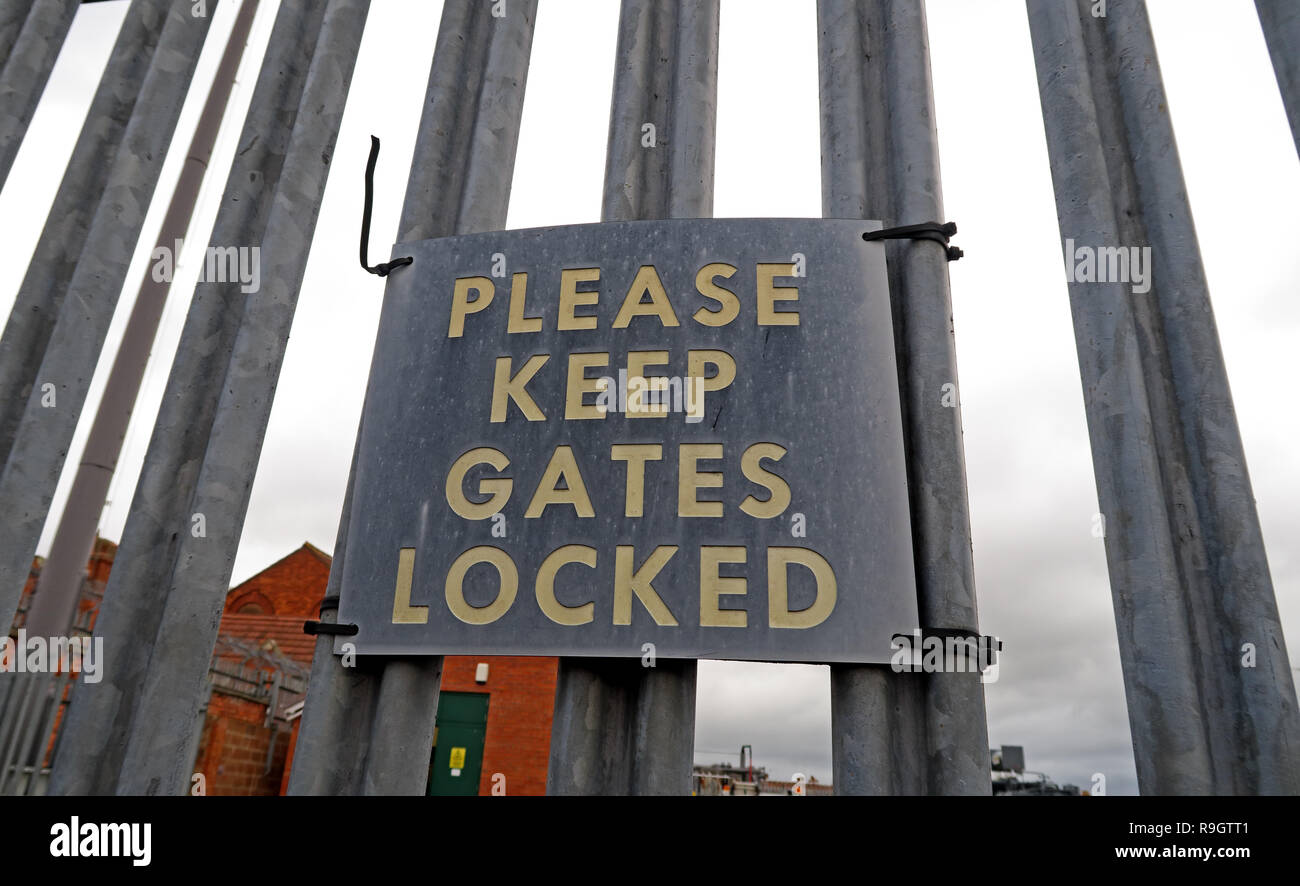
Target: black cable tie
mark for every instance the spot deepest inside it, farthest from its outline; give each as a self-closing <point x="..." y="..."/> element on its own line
<point x="382" y="268"/>
<point x="939" y="233"/>
<point x="320" y="627"/>
<point x="969" y="634"/>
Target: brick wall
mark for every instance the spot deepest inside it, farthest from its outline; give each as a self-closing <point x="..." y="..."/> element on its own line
<point x="518" y="740"/>
<point x="294" y="585"/>
<point x="232" y="748"/>
<point x="233" y="744"/>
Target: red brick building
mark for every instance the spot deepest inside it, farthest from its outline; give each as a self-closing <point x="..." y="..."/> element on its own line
<point x="260" y="669"/>
<point x="494" y="717"/>
<point x="520" y="703"/>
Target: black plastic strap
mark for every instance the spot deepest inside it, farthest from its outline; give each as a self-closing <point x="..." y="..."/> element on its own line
<point x="939" y="233"/>
<point x="320" y="627"/>
<point x="994" y="644"/>
<point x="382" y="268"/>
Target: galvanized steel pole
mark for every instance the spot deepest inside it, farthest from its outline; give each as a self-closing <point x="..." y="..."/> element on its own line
<point x="59" y="584"/>
<point x="402" y="732"/>
<point x="880" y="159"/>
<point x="369" y="729"/>
<point x="27" y="65"/>
<point x="168" y="713"/>
<point x="1212" y="705"/>
<point x="93" y="739"/>
<point x="1280" y="20"/>
<point x="40" y="297"/>
<point x="54" y="405"/>
<point x="12" y="16"/>
<point x="619" y="727"/>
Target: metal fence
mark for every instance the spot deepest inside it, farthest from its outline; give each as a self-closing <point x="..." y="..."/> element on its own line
<point x="1187" y="565"/>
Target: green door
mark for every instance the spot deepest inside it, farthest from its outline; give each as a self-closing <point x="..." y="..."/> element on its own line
<point x="458" y="744"/>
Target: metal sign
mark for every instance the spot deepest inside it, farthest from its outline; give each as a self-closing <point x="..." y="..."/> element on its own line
<point x="670" y="438"/>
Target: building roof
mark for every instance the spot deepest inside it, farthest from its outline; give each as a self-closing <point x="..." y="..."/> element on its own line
<point x="272" y="633"/>
<point x="291" y="586"/>
<point x="307" y="547"/>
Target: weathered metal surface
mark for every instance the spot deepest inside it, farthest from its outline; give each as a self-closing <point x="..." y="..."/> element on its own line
<point x="1280" y="22"/>
<point x="169" y="713"/>
<point x="825" y="391"/>
<point x="880" y="159"/>
<point x="1188" y="573"/>
<point x="89" y="756"/>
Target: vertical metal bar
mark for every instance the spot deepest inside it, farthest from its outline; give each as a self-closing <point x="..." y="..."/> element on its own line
<point x="167" y="715"/>
<point x="6" y="690"/>
<point x="620" y="728"/>
<point x="54" y="405"/>
<point x="12" y="752"/>
<point x="1188" y="571"/>
<point x="331" y="751"/>
<point x="41" y="295"/>
<point x="1280" y="20"/>
<point x="91" y="745"/>
<point x="349" y="742"/>
<point x="27" y="68"/>
<point x="42" y="739"/>
<point x="12" y="16"/>
<point x="880" y="159"/>
<point x="59" y="584"/>
<point x="11" y="689"/>
<point x="401" y="735"/>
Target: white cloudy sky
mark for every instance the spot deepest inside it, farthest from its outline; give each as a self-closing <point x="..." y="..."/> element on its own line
<point x="1041" y="575"/>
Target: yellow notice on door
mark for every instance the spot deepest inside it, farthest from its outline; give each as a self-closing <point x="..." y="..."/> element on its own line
<point x="457" y="760"/>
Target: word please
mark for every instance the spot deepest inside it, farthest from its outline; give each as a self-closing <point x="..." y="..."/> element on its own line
<point x="629" y="581"/>
<point x="645" y="283"/>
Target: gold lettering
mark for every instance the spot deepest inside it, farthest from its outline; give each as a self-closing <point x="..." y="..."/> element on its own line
<point x="498" y="488"/>
<point x="636" y="455"/>
<point x="689" y="480"/>
<point x="518" y="295"/>
<point x="561" y="466"/>
<point x="778" y="599"/>
<point x="627" y="583"/>
<point x="646" y="280"/>
<point x="729" y="305"/>
<point x="553" y="608"/>
<point x="751" y="466"/>
<point x="769" y="294"/>
<point x="506" y="590"/>
<point x="506" y="388"/>
<point x="713" y="585"/>
<point x="461" y="306"/>
<point x="698" y="361"/>
<point x="571" y="298"/>
<point x="638" y="385"/>
<point x="579" y="384"/>
<point x="403" y="612"/>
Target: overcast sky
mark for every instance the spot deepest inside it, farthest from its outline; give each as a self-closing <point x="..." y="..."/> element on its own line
<point x="1041" y="575"/>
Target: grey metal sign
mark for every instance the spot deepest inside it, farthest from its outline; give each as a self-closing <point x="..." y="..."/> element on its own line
<point x="670" y="438"/>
